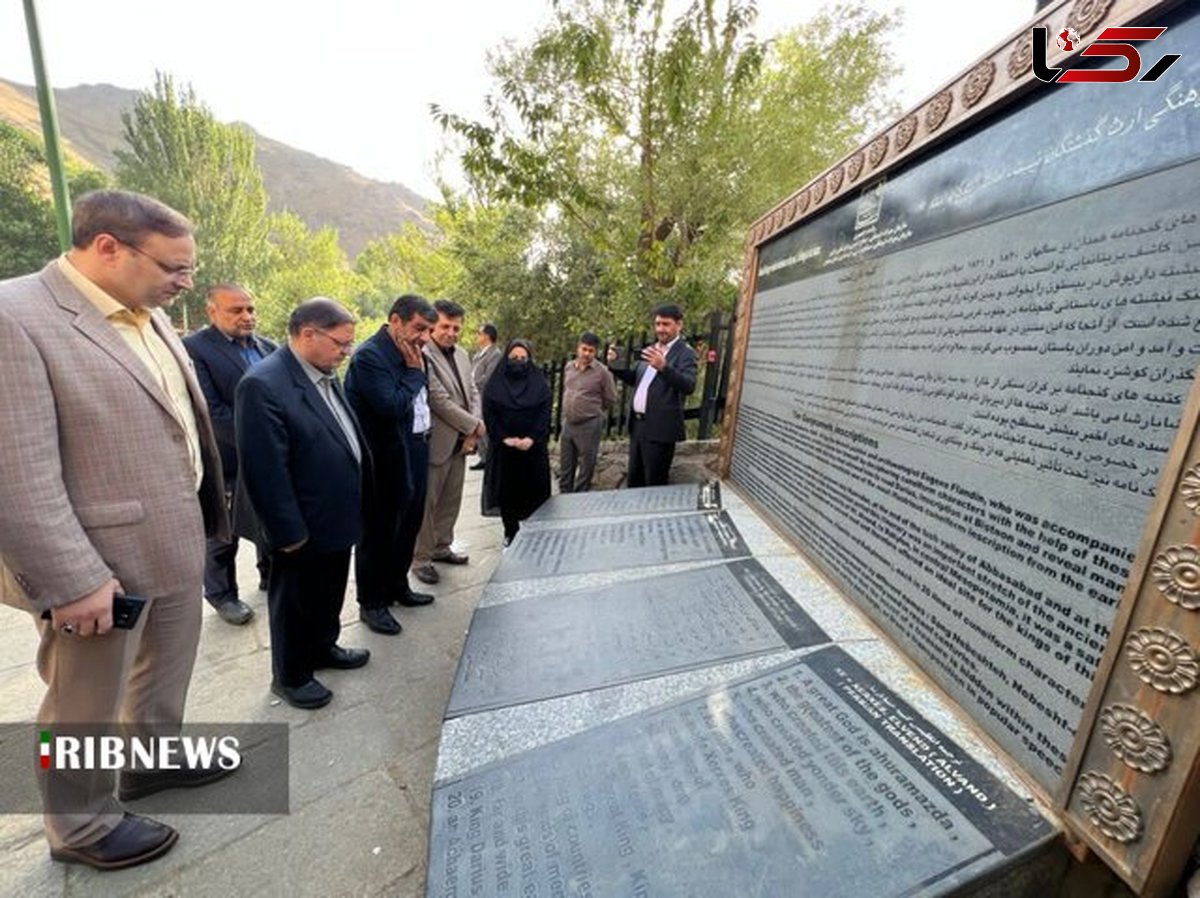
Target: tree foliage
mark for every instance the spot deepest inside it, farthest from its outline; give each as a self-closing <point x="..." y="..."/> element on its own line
<point x="647" y="145"/>
<point x="410" y="261"/>
<point x="28" y="233"/>
<point x="180" y="154"/>
<point x="302" y="264"/>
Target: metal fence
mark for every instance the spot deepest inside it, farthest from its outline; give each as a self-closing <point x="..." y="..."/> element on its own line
<point x="706" y="406"/>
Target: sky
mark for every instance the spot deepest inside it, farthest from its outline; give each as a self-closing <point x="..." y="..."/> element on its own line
<point x="352" y="80"/>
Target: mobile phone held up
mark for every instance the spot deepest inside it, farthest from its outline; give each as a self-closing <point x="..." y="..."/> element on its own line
<point x="126" y="611"/>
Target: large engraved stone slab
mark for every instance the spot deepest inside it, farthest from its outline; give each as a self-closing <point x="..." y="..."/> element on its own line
<point x="649" y="500"/>
<point x="812" y="778"/>
<point x="960" y="407"/>
<point x="556" y="645"/>
<point x="637" y="542"/>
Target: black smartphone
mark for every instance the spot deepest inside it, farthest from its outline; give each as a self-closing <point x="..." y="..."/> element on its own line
<point x="126" y="610"/>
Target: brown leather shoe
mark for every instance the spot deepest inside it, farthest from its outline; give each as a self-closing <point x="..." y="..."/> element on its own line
<point x="426" y="573"/>
<point x="451" y="557"/>
<point x="135" y="840"/>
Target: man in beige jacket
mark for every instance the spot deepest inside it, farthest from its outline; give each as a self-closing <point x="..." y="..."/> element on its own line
<point x="109" y="482"/>
<point x="456" y="428"/>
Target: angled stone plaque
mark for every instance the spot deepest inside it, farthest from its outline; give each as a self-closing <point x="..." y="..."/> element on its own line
<point x="556" y="645"/>
<point x="811" y="778"/>
<point x="650" y="500"/>
<point x="610" y="545"/>
<point x="960" y="385"/>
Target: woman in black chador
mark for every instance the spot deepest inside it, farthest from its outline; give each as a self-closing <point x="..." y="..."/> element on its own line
<point x="516" y="412"/>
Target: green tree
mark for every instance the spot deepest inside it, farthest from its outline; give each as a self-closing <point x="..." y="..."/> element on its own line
<point x="181" y="155"/>
<point x="302" y="264"/>
<point x="413" y="260"/>
<point x="28" y="233"/>
<point x="28" y="238"/>
<point x="647" y="145"/>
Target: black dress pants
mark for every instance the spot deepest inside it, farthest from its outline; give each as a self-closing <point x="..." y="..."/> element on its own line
<point x="391" y="521"/>
<point x="649" y="461"/>
<point x="304" y="602"/>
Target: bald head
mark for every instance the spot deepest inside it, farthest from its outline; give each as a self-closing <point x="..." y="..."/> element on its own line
<point x="231" y="310"/>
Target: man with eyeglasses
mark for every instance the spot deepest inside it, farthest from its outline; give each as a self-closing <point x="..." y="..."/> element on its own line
<point x="222" y="353"/>
<point x="303" y="461"/>
<point x="110" y="480"/>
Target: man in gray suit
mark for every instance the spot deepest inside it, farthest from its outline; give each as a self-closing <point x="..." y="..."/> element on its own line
<point x="457" y="426"/>
<point x="109" y="481"/>
<point x="483" y="363"/>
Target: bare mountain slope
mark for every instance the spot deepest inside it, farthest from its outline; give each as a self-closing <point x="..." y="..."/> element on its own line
<point x="321" y="192"/>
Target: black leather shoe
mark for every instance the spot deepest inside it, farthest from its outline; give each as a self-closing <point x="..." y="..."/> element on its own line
<point x="379" y="620"/>
<point x="451" y="557"/>
<point x="344" y="659"/>
<point x="235" y="611"/>
<point x="415" y="599"/>
<point x="133" y="841"/>
<point x="137" y="784"/>
<point x="309" y="696"/>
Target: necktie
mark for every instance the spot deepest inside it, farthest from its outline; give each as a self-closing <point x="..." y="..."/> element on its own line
<point x="339" y="414"/>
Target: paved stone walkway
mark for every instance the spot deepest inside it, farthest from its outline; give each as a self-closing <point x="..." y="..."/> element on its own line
<point x="361" y="768"/>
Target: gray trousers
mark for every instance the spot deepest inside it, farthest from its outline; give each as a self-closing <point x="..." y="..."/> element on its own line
<point x="578" y="445"/>
<point x="134" y="676"/>
<point x="443" y="497"/>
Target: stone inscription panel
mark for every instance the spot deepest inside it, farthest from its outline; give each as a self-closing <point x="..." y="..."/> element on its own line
<point x="557" y="645"/>
<point x="649" y="500"/>
<point x="813" y="773"/>
<point x="638" y="542"/>
<point x="966" y="436"/>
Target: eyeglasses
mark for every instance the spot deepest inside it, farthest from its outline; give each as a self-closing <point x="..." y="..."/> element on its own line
<point x="175" y="271"/>
<point x="343" y="345"/>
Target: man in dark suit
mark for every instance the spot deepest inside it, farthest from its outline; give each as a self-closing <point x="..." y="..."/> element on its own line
<point x="303" y="462"/>
<point x="386" y="386"/>
<point x="222" y="353"/>
<point x="664" y="377"/>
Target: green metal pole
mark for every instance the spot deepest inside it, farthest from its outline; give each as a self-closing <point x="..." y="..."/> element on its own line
<point x="58" y="175"/>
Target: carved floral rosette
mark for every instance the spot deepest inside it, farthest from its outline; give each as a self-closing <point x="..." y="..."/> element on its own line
<point x="1087" y="14"/>
<point x="854" y="167"/>
<point x="938" y="109"/>
<point x="1110" y="808"/>
<point x="1176" y="572"/>
<point x="1163" y="659"/>
<point x="905" y="132"/>
<point x="1189" y="489"/>
<point x="877" y="150"/>
<point x="834" y="180"/>
<point x="978" y="82"/>
<point x="1134" y="738"/>
<point x="1020" y="57"/>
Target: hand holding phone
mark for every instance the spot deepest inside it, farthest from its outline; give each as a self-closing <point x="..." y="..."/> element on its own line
<point x="125" y="613"/>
